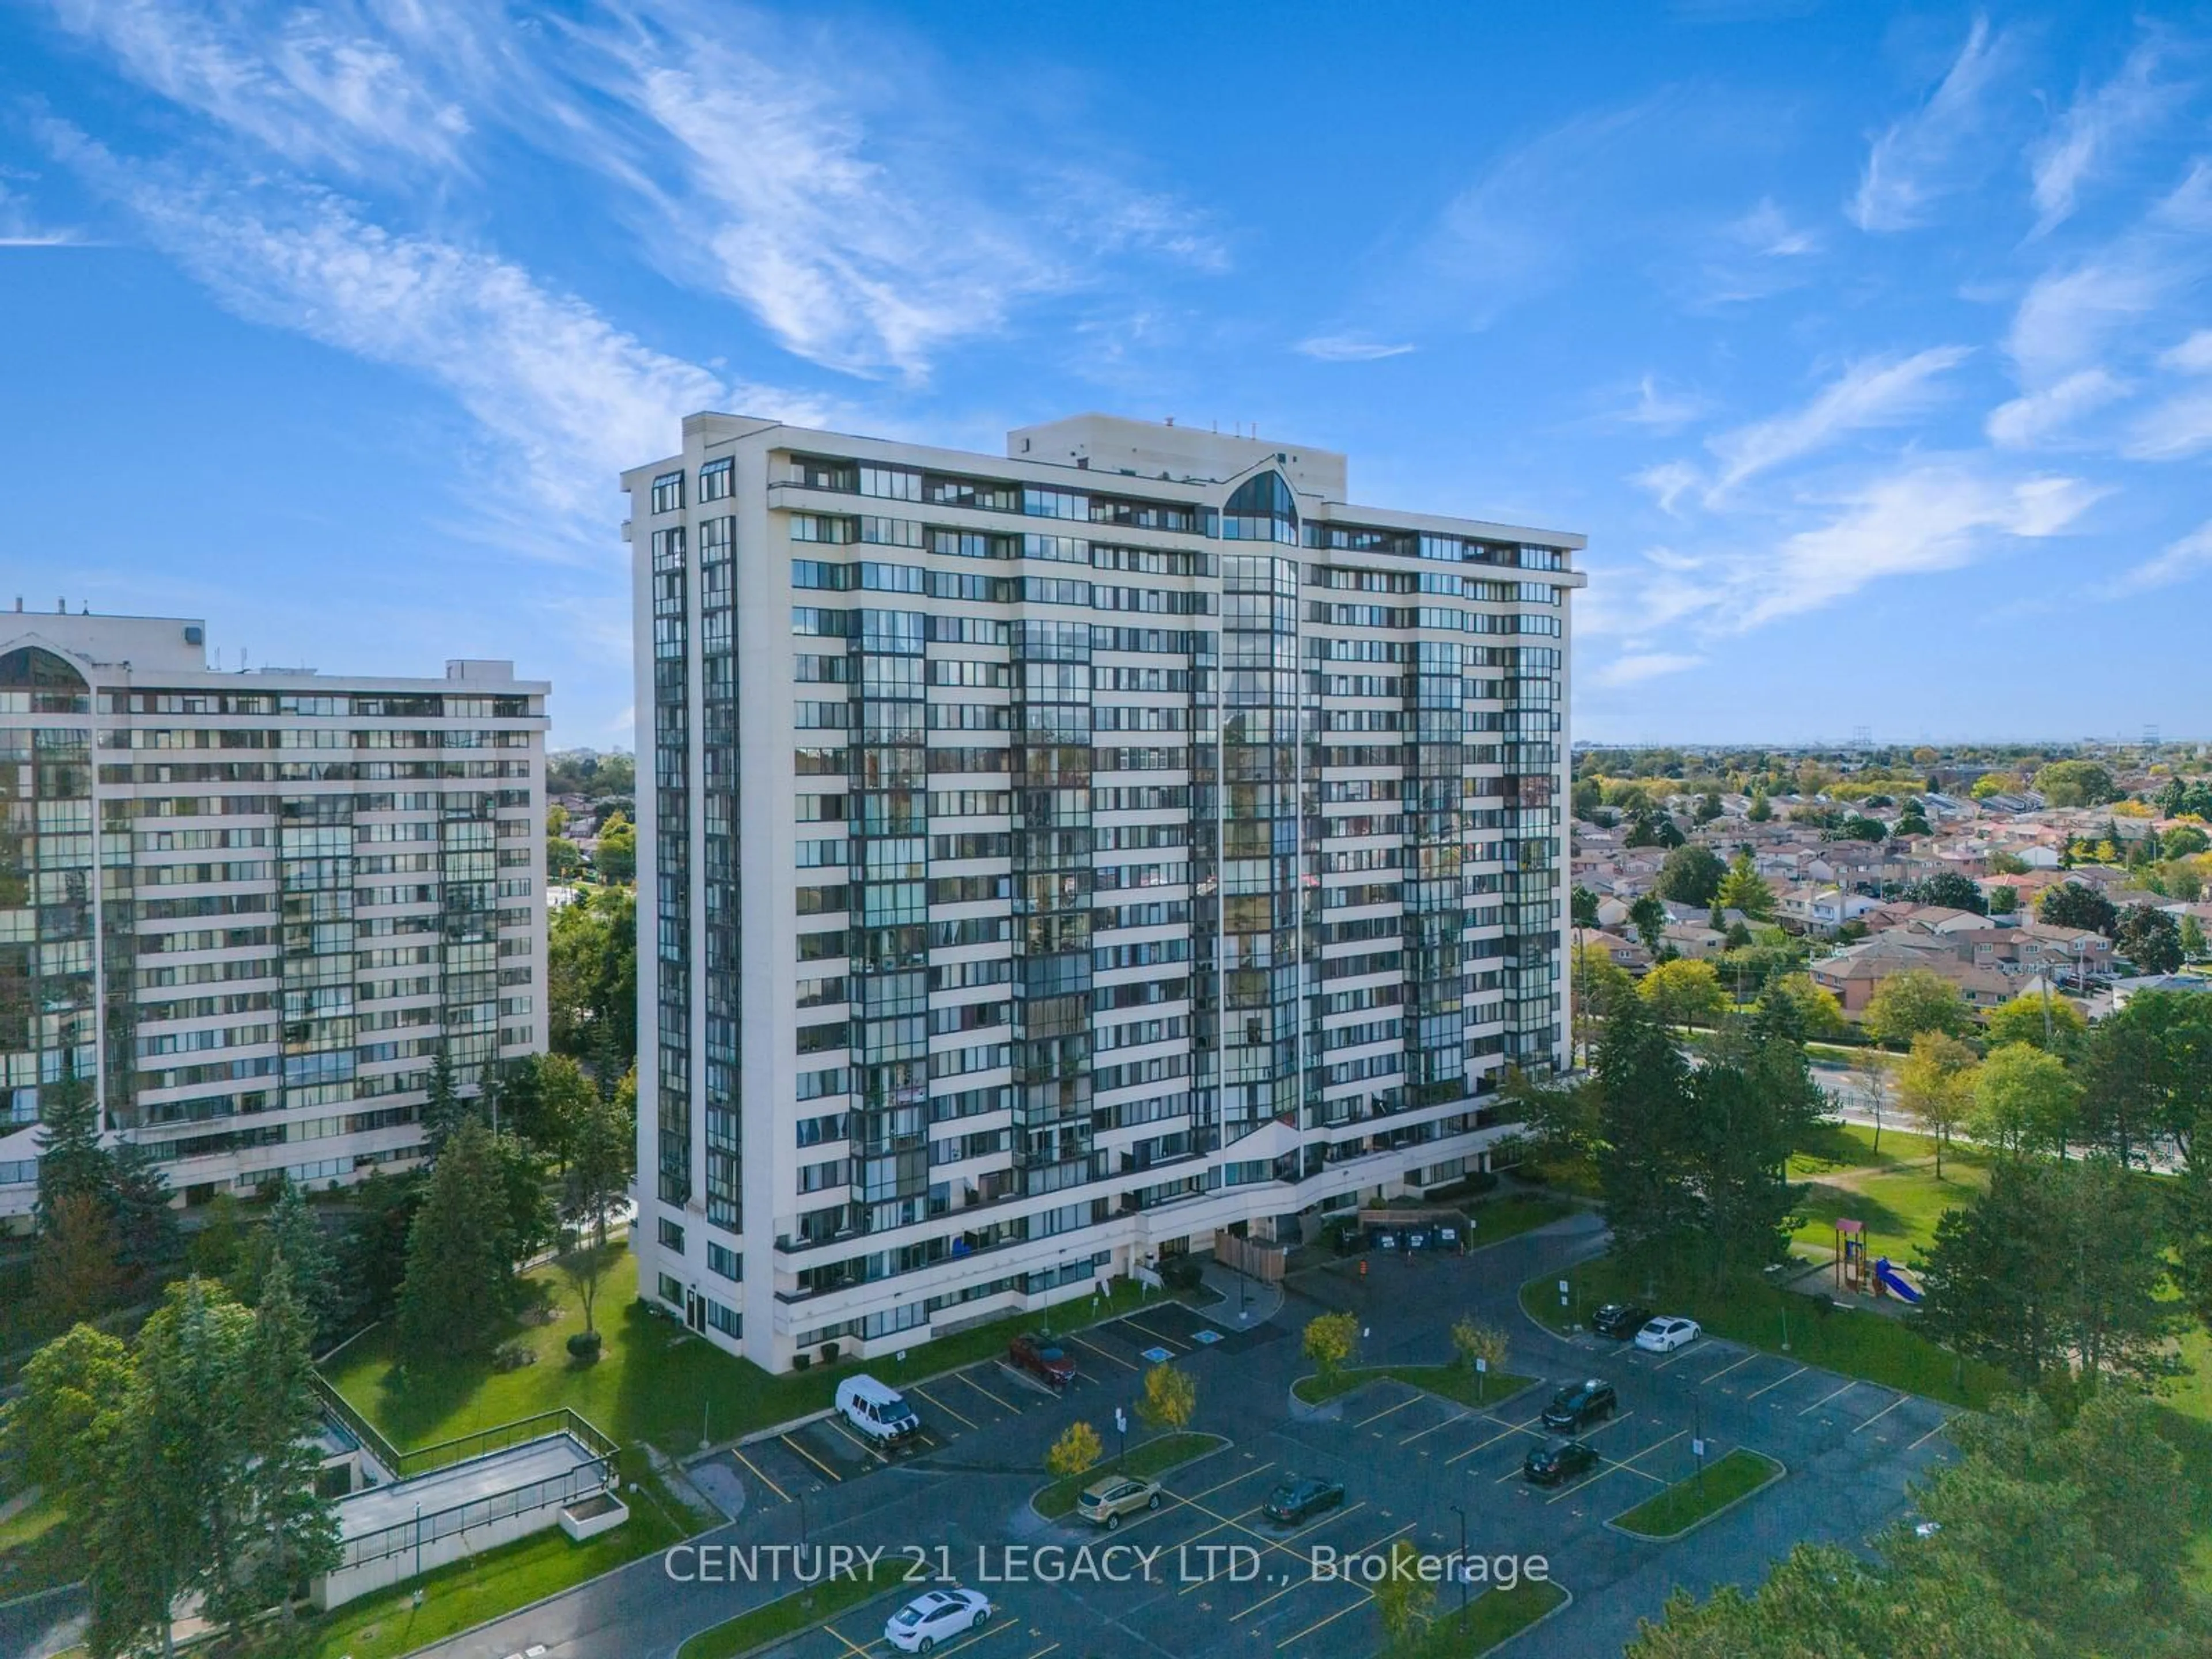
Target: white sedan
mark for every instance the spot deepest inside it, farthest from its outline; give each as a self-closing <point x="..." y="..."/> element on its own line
<point x="1665" y="1334"/>
<point x="938" y="1616"/>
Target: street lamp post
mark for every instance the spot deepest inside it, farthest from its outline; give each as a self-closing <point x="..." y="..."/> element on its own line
<point x="1459" y="1570"/>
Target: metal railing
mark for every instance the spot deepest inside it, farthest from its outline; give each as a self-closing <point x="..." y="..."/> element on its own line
<point x="336" y="1405"/>
<point x="582" y="1481"/>
<point x="460" y="1449"/>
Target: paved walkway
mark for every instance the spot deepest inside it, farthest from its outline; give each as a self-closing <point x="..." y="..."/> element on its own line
<point x="1245" y="1302"/>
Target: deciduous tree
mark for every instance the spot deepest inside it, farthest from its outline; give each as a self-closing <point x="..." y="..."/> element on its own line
<point x="1075" y="1452"/>
<point x="1690" y="875"/>
<point x="1685" y="991"/>
<point x="2024" y="1101"/>
<point x="1936" y="1087"/>
<point x="2071" y="904"/>
<point x="1912" y="1001"/>
<point x="1328" y="1342"/>
<point x="2041" y="1021"/>
<point x="1169" y="1399"/>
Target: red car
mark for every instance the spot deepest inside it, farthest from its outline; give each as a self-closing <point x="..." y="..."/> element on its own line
<point x="1041" y="1360"/>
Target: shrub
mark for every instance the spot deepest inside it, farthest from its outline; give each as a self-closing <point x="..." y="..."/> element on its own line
<point x="583" y="1345"/>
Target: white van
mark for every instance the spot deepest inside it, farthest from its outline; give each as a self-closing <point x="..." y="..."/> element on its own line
<point x="879" y="1412"/>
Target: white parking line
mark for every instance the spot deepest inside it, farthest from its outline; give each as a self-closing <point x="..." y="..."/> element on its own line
<point x="1826" y="1398"/>
<point x="1777" y="1383"/>
<point x="1711" y="1376"/>
<point x="1883" y="1412"/>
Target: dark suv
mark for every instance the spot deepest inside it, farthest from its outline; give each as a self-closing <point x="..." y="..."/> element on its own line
<point x="1621" y="1320"/>
<point x="1578" y="1405"/>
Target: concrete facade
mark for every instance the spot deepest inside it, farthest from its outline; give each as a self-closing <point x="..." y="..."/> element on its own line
<point x="246" y="909"/>
<point x="1046" y="860"/>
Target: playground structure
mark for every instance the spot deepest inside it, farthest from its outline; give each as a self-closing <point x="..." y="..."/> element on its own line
<point x="1851" y="1254"/>
<point x="1882" y="1276"/>
<point x="1890" y="1279"/>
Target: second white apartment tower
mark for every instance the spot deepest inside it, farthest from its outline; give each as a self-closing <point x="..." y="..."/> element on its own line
<point x="1047" y="862"/>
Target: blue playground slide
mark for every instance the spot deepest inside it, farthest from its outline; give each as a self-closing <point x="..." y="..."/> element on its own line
<point x="1898" y="1282"/>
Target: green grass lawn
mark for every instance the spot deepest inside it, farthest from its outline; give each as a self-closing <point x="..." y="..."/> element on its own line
<point x="1690" y="1500"/>
<point x="801" y="1610"/>
<point x="36" y="1552"/>
<point x="1147" y="1458"/>
<point x="1496" y="1219"/>
<point x="1450" y="1382"/>
<point x="1489" y="1619"/>
<point x="1850" y="1341"/>
<point x="1900" y="1208"/>
<point x="1835" y="1146"/>
<point x="655" y="1380"/>
<point x="468" y="1592"/>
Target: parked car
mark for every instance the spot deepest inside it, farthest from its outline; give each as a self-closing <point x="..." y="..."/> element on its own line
<point x="1302" y="1496"/>
<point x="1547" y="1466"/>
<point x="1666" y="1334"/>
<point x="877" y="1410"/>
<point x="1042" y="1358"/>
<point x="1621" y="1320"/>
<point x="1578" y="1405"/>
<point x="1103" y="1502"/>
<point x="936" y="1616"/>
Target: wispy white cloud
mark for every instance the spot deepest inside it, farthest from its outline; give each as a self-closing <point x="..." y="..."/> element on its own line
<point x="2067" y="317"/>
<point x="1349" y="349"/>
<point x="22" y="228"/>
<point x="1668" y="482"/>
<point x="1659" y="409"/>
<point x="321" y="84"/>
<point x="1641" y="665"/>
<point x="844" y="198"/>
<point x="2188" y="556"/>
<point x="1766" y="231"/>
<point x="1880" y="392"/>
<point x="2097" y="123"/>
<point x="1920" y="158"/>
<point x="2034" y="416"/>
<point x="2174" y="428"/>
<point x="2192" y="356"/>
<point x="1920" y="519"/>
<point x="568" y="395"/>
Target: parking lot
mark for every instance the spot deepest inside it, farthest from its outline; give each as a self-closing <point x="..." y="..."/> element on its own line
<point x="1405" y="1458"/>
<point x="973" y="1418"/>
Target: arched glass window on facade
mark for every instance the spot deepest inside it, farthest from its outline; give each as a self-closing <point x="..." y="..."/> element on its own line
<point x="37" y="681"/>
<point x="1261" y="509"/>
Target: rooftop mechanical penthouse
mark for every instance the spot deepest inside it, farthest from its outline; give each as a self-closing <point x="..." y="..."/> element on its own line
<point x="1048" y="861"/>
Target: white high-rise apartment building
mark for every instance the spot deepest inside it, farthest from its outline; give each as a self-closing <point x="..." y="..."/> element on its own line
<point x="246" y="910"/>
<point x="1048" y="861"/>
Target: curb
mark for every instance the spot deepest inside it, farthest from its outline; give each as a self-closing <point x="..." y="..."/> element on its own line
<point x="1781" y="1471"/>
<point x="1532" y="1624"/>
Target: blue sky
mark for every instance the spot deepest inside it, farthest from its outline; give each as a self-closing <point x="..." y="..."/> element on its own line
<point x="1871" y="348"/>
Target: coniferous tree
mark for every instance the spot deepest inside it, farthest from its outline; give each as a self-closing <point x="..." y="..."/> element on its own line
<point x="71" y="1158"/>
<point x="294" y="1529"/>
<point x="145" y="1221"/>
<point x="292" y="1235"/>
<point x="460" y="1252"/>
<point x="1644" y="1085"/>
<point x="443" y="1111"/>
